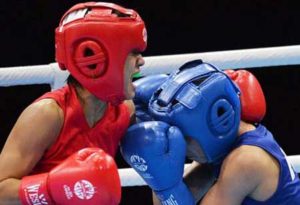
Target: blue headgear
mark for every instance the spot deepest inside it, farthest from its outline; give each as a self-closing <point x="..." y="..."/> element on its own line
<point x="204" y="103"/>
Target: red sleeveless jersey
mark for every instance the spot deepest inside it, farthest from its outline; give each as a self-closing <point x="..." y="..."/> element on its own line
<point x="76" y="133"/>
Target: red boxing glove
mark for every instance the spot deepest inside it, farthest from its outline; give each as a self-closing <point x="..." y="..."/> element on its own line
<point x="90" y="176"/>
<point x="252" y="97"/>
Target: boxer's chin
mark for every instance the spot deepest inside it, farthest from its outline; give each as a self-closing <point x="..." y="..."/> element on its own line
<point x="130" y="91"/>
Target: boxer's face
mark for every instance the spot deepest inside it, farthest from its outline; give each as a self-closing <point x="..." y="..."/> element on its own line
<point x="194" y="151"/>
<point x="132" y="65"/>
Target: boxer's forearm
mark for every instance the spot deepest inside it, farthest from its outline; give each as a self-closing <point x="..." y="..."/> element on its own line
<point x="9" y="192"/>
<point x="155" y="199"/>
<point x="199" y="178"/>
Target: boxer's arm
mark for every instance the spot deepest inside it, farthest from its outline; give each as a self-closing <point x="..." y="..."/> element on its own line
<point x="241" y="173"/>
<point x="199" y="178"/>
<point x="35" y="130"/>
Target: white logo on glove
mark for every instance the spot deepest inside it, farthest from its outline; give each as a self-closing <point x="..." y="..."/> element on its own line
<point x="35" y="197"/>
<point x="139" y="163"/>
<point x="170" y="201"/>
<point x="84" y="189"/>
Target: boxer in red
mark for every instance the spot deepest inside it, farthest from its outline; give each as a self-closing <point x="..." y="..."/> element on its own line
<point x="60" y="151"/>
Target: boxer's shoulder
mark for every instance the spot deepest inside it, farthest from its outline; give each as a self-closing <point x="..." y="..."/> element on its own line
<point x="48" y="108"/>
<point x="40" y="122"/>
<point x="250" y="164"/>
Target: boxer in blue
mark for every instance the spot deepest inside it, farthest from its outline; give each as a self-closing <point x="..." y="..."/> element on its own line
<point x="214" y="118"/>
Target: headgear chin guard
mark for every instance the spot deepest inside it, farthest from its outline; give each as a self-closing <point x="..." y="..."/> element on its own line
<point x="93" y="41"/>
<point x="204" y="103"/>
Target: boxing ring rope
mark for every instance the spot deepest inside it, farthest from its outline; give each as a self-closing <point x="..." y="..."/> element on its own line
<point x="245" y="58"/>
<point x="130" y="177"/>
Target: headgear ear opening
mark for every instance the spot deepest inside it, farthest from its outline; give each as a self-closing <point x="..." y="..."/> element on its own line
<point x="91" y="59"/>
<point x="222" y="117"/>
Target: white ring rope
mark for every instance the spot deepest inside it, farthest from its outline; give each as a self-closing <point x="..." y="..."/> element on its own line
<point x="246" y="58"/>
<point x="36" y="74"/>
<point x="129" y="177"/>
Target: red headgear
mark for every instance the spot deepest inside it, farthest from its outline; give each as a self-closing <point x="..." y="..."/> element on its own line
<point x="93" y="40"/>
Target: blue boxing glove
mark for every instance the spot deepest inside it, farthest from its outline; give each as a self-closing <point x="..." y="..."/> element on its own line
<point x="144" y="88"/>
<point x="157" y="152"/>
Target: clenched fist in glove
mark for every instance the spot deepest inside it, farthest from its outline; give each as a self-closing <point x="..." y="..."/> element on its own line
<point x="157" y="152"/>
<point x="88" y="177"/>
<point x="144" y="88"/>
<point x="253" y="101"/>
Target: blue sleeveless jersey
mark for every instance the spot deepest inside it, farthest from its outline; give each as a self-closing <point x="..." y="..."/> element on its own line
<point x="288" y="189"/>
